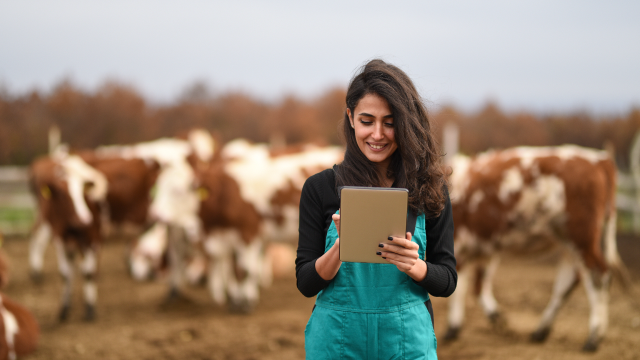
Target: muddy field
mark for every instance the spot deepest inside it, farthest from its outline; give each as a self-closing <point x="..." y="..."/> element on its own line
<point x="134" y="323"/>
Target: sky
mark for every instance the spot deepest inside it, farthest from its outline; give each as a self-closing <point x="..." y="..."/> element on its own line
<point x="531" y="55"/>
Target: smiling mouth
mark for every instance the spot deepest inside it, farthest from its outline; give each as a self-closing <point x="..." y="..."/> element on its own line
<point x="377" y="147"/>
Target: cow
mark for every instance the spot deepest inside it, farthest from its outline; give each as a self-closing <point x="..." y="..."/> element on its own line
<point x="127" y="199"/>
<point x="75" y="191"/>
<point x="529" y="199"/>
<point x="169" y="214"/>
<point x="246" y="195"/>
<point x="251" y="197"/>
<point x="69" y="193"/>
<point x="19" y="331"/>
<point x="131" y="172"/>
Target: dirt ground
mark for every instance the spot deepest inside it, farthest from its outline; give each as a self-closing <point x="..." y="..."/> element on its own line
<point x="133" y="322"/>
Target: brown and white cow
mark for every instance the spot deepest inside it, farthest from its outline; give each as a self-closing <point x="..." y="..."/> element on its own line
<point x="175" y="204"/>
<point x="19" y="331"/>
<point x="127" y="199"/>
<point x="529" y="199"/>
<point x="131" y="172"/>
<point x="68" y="193"/>
<point x="73" y="191"/>
<point x="246" y="195"/>
<point x="251" y="197"/>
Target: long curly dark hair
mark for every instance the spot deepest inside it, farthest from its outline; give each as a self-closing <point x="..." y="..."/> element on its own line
<point x="415" y="164"/>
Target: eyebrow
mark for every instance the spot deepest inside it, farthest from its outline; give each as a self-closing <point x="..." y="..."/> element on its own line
<point x="390" y="116"/>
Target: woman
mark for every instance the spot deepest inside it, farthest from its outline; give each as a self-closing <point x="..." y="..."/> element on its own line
<point x="378" y="311"/>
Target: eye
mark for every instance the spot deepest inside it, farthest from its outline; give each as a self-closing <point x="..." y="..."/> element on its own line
<point x="364" y="122"/>
<point x="389" y="125"/>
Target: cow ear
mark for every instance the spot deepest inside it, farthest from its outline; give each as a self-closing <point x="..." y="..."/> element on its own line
<point x="45" y="191"/>
<point x="203" y="193"/>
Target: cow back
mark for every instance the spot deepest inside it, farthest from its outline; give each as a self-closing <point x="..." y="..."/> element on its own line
<point x="512" y="197"/>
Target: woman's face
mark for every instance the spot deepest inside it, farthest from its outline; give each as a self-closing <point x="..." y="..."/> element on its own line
<point x="373" y="124"/>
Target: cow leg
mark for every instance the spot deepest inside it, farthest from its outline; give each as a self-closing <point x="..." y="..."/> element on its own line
<point x="565" y="283"/>
<point x="89" y="268"/>
<point x="244" y="292"/>
<point x="196" y="270"/>
<point x="176" y="245"/>
<point x="65" y="260"/>
<point x="457" y="303"/>
<point x="220" y="253"/>
<point x="487" y="300"/>
<point x="596" y="284"/>
<point x="10" y="329"/>
<point x="37" y="246"/>
<point x="147" y="254"/>
<point x="266" y="275"/>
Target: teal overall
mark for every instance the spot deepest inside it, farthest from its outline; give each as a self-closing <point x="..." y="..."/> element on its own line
<point x="371" y="311"/>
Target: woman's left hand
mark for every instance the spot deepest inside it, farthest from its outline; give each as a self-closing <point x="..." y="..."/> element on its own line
<point x="403" y="253"/>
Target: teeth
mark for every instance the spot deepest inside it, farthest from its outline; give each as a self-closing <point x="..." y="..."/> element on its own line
<point x="377" y="147"/>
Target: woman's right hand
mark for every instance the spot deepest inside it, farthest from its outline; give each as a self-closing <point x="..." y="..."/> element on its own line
<point x="336" y="221"/>
<point x="328" y="264"/>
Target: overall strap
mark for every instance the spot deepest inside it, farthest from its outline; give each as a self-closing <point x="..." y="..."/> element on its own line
<point x="333" y="180"/>
<point x="411" y="221"/>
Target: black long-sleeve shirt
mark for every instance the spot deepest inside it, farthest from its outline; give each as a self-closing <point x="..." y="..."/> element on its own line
<point x="319" y="201"/>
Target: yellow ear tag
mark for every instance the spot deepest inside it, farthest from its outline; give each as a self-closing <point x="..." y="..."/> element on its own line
<point x="45" y="192"/>
<point x="153" y="191"/>
<point x="203" y="194"/>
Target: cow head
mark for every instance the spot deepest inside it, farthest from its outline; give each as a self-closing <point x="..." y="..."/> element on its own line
<point x="67" y="190"/>
<point x="83" y="180"/>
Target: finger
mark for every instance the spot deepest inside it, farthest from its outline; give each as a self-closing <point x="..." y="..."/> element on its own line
<point x="402" y="251"/>
<point x="336" y="220"/>
<point x="408" y="244"/>
<point x="408" y="260"/>
<point x="404" y="267"/>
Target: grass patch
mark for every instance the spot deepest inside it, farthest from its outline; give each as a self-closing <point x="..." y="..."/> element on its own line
<point x="625" y="222"/>
<point x="16" y="220"/>
<point x="16" y="215"/>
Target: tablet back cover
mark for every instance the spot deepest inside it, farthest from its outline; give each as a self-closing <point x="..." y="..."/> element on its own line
<point x="368" y="216"/>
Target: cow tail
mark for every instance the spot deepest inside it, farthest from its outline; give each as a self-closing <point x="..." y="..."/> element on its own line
<point x="611" y="255"/>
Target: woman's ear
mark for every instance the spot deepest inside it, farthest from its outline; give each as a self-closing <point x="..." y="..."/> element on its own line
<point x="350" y="118"/>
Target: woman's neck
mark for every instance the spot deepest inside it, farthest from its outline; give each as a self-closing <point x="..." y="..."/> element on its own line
<point x="382" y="174"/>
<point x="387" y="182"/>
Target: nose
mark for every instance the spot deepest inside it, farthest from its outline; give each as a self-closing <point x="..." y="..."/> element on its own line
<point x="378" y="132"/>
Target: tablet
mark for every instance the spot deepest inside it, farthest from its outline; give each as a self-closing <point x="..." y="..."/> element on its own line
<point x="368" y="216"/>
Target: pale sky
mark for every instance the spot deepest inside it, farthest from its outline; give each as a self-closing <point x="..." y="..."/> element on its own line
<point x="538" y="55"/>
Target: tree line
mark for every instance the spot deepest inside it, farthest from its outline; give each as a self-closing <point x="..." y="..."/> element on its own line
<point x="116" y="113"/>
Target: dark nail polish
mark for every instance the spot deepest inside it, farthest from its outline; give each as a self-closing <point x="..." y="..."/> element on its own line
<point x="384" y="257"/>
<point x="378" y="253"/>
<point x="390" y="238"/>
<point x="380" y="245"/>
